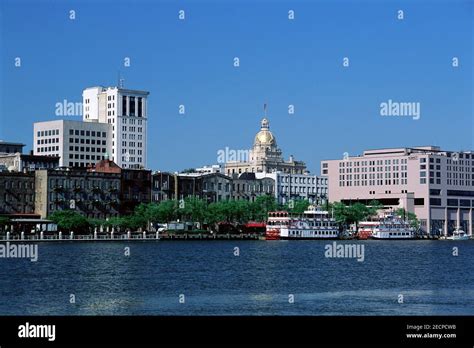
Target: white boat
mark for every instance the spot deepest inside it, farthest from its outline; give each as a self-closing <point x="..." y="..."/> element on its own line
<point x="458" y="234"/>
<point x="314" y="223"/>
<point x="391" y="227"/>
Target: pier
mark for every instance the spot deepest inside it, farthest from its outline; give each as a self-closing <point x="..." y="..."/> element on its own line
<point x="115" y="237"/>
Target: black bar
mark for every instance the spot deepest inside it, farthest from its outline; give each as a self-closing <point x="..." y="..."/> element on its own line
<point x="138" y="330"/>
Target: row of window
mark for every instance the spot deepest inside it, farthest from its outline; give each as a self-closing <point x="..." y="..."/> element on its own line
<point x="47" y="141"/>
<point x="47" y="133"/>
<point x="344" y="163"/>
<point x="87" y="149"/>
<point x="372" y="169"/>
<point x="48" y="149"/>
<point x="87" y="141"/>
<point x="84" y="164"/>
<point x="81" y="183"/>
<point x="87" y="133"/>
<point x="87" y="157"/>
<point x="373" y="182"/>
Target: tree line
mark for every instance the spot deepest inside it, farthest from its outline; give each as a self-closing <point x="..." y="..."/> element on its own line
<point x="233" y="211"/>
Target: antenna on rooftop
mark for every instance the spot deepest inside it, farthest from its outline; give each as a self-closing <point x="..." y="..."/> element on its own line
<point x="120" y="80"/>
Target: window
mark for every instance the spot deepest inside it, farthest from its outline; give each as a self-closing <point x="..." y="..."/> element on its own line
<point x="124" y="106"/>
<point x="140" y="107"/>
<point x="132" y="106"/>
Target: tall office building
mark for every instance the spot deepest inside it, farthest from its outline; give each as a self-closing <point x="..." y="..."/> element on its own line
<point x="76" y="143"/>
<point x="127" y="112"/>
<point x="435" y="184"/>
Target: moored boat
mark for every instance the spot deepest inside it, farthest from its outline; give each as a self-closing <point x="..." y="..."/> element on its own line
<point x="314" y="223"/>
<point x="387" y="227"/>
<point x="458" y="234"/>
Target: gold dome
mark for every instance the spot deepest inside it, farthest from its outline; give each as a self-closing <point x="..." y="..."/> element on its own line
<point x="265" y="137"/>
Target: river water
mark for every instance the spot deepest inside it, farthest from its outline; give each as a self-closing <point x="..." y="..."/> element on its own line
<point x="416" y="277"/>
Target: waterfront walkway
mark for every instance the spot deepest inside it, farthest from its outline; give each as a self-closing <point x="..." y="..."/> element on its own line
<point x="111" y="237"/>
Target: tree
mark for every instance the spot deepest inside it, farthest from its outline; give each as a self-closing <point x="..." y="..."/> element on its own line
<point x="374" y="207"/>
<point x="194" y="209"/>
<point x="299" y="206"/>
<point x="261" y="206"/>
<point x="357" y="212"/>
<point x="4" y="221"/>
<point x="408" y="216"/>
<point x="69" y="220"/>
<point x="96" y="223"/>
<point x="341" y="213"/>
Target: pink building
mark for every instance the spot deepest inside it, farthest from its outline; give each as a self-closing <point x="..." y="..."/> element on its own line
<point x="436" y="185"/>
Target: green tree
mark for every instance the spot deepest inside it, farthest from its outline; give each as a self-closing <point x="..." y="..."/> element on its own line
<point x="299" y="206"/>
<point x="163" y="212"/>
<point x="4" y="221"/>
<point x="261" y="206"/>
<point x="408" y="216"/>
<point x="341" y="213"/>
<point x="194" y="209"/>
<point x="357" y="212"/>
<point x="374" y="207"/>
<point x="70" y="220"/>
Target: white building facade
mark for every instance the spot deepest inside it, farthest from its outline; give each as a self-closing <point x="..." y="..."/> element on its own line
<point x="298" y="186"/>
<point x="76" y="143"/>
<point x="127" y="112"/>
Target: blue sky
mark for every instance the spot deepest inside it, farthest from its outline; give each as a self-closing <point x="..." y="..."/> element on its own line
<point x="282" y="62"/>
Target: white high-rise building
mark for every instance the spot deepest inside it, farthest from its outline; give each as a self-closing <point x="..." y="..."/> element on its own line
<point x="127" y="113"/>
<point x="76" y="143"/>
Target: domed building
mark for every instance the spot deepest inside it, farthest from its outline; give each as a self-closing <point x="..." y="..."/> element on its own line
<point x="265" y="156"/>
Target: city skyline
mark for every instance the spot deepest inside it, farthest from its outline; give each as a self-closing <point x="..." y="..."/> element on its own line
<point x="283" y="62"/>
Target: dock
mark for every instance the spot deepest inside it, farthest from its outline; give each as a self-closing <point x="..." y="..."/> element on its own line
<point x="137" y="236"/>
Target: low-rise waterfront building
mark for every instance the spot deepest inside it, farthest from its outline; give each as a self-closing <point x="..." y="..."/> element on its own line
<point x="17" y="192"/>
<point x="135" y="189"/>
<point x="9" y="147"/>
<point x="18" y="162"/>
<point x="435" y="184"/>
<point x="92" y="194"/>
<point x="247" y="186"/>
<point x="164" y="186"/>
<point x="212" y="187"/>
<point x="135" y="184"/>
<point x="294" y="187"/>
